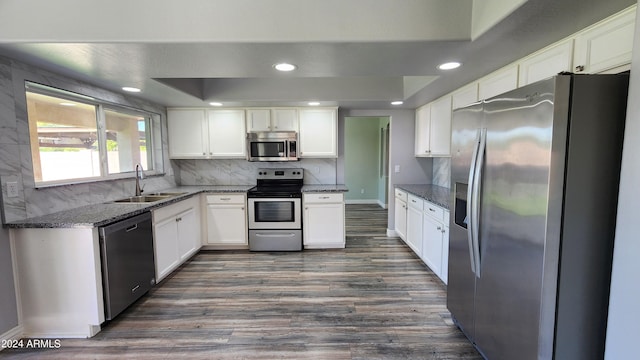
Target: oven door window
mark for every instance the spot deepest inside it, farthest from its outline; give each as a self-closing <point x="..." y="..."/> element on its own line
<point x="274" y="211"/>
<point x="268" y="149"/>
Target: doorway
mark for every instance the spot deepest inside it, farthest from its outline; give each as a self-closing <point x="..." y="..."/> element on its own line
<point x="366" y="160"/>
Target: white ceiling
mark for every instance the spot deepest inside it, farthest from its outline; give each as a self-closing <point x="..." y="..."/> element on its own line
<point x="356" y="54"/>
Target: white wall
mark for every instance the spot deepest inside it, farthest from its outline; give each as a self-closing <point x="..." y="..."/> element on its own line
<point x="623" y="328"/>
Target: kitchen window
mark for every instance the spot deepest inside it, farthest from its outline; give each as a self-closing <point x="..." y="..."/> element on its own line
<point x="75" y="138"/>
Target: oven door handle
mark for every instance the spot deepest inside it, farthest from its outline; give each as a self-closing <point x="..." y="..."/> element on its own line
<point x="278" y="235"/>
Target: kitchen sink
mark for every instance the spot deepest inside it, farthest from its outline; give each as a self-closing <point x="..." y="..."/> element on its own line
<point x="144" y="198"/>
<point x="167" y="194"/>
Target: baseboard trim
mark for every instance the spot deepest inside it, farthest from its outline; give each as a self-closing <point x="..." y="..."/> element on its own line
<point x="14" y="334"/>
<point x="382" y="205"/>
<point x="392" y="233"/>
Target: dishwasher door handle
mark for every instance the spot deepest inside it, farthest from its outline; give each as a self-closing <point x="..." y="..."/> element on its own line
<point x="132" y="227"/>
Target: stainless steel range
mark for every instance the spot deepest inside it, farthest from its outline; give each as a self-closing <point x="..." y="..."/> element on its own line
<point x="275" y="214"/>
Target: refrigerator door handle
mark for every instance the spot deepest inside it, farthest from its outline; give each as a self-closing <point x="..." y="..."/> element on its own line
<point x="470" y="201"/>
<point x="476" y="188"/>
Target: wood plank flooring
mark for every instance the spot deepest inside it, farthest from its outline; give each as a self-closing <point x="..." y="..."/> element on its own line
<point x="373" y="300"/>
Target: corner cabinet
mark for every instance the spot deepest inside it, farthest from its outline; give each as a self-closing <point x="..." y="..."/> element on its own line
<point x="176" y="234"/>
<point x="323" y="220"/>
<point x="206" y="134"/>
<point x="433" y="129"/>
<point x="226" y="221"/>
<point x="187" y="133"/>
<point x="318" y="132"/>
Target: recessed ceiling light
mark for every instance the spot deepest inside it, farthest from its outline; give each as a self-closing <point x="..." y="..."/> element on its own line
<point x="284" y="67"/>
<point x="397" y="103"/>
<point x="131" y="89"/>
<point x="449" y="66"/>
<point x="215" y="103"/>
<point x="314" y="103"/>
<point x="67" y="104"/>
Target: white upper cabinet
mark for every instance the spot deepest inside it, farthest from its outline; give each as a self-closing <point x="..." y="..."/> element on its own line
<point x="606" y="46"/>
<point x="498" y="82"/>
<point x="423" y="124"/>
<point x="546" y="63"/>
<point x="227" y="133"/>
<point x="440" y="133"/>
<point x="464" y="96"/>
<point x="205" y="134"/>
<point x="187" y="133"/>
<point x="433" y="129"/>
<point x="258" y="119"/>
<point x="284" y="119"/>
<point x="318" y="132"/>
<point x="276" y="119"/>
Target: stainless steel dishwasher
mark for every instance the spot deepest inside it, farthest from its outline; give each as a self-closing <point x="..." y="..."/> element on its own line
<point x="128" y="270"/>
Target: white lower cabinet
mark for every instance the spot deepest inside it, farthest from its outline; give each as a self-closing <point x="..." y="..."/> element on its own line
<point x="435" y="239"/>
<point x="227" y="220"/>
<point x="176" y="235"/>
<point x="414" y="224"/>
<point x="400" y="215"/>
<point x="432" y="243"/>
<point x="424" y="227"/>
<point x="323" y="220"/>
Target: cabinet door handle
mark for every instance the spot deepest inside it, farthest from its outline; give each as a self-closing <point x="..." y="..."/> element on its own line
<point x="178" y="219"/>
<point x="439" y="228"/>
<point x="579" y="68"/>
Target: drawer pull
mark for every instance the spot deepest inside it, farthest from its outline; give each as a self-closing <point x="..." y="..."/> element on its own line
<point x="225" y="199"/>
<point x="432" y="210"/>
<point x="324" y="197"/>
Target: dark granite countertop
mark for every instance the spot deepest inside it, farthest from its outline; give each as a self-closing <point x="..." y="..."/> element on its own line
<point x="438" y="195"/>
<point x="96" y="215"/>
<point x="325" y="188"/>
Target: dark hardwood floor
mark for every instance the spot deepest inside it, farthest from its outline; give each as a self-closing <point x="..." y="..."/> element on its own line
<point x="373" y="300"/>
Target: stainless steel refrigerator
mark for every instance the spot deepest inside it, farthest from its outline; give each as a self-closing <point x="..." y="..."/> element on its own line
<point x="535" y="173"/>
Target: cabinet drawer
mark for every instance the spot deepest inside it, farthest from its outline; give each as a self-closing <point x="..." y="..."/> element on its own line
<point x="225" y="199"/>
<point x="415" y="202"/>
<point x="323" y="198"/>
<point x="435" y="211"/>
<point x="400" y="194"/>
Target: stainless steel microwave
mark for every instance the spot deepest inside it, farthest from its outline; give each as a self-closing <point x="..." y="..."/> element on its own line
<point x="272" y="146"/>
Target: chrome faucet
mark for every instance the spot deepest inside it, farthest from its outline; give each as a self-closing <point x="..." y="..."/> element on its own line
<point x="139" y="176"/>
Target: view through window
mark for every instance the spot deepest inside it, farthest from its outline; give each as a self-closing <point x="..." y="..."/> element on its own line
<point x="76" y="139"/>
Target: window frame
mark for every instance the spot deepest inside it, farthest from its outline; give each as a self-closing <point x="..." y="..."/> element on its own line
<point x="100" y="107"/>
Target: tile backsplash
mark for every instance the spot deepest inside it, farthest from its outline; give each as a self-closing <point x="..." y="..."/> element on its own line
<point x="242" y="172"/>
<point x="442" y="172"/>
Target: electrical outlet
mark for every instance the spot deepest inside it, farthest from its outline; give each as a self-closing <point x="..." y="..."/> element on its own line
<point x="12" y="189"/>
<point x="397" y="169"/>
<point x="361" y="191"/>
